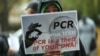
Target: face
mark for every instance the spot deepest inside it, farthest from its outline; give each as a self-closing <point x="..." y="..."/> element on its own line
<point x="51" y="8"/>
<point x="31" y="11"/>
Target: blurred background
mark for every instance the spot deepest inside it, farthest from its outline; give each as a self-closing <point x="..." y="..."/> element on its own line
<point x="11" y="11"/>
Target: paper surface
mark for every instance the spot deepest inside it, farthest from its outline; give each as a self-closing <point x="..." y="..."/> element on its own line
<point x="50" y="31"/>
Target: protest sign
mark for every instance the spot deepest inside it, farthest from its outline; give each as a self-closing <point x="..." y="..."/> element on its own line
<point x="50" y="31"/>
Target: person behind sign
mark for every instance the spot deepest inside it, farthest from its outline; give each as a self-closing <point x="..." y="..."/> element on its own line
<point x="54" y="6"/>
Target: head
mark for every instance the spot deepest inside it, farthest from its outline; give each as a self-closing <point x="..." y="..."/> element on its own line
<point x="50" y="6"/>
<point x="32" y="8"/>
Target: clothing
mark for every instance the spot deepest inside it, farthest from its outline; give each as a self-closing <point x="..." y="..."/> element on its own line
<point x="87" y="33"/>
<point x="3" y="46"/>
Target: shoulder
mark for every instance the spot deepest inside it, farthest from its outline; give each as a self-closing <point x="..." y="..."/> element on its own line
<point x="90" y="21"/>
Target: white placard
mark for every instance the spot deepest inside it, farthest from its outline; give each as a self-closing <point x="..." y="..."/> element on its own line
<point x="50" y="31"/>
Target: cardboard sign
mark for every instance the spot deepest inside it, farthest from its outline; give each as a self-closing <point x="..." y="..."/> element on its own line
<point x="50" y="31"/>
